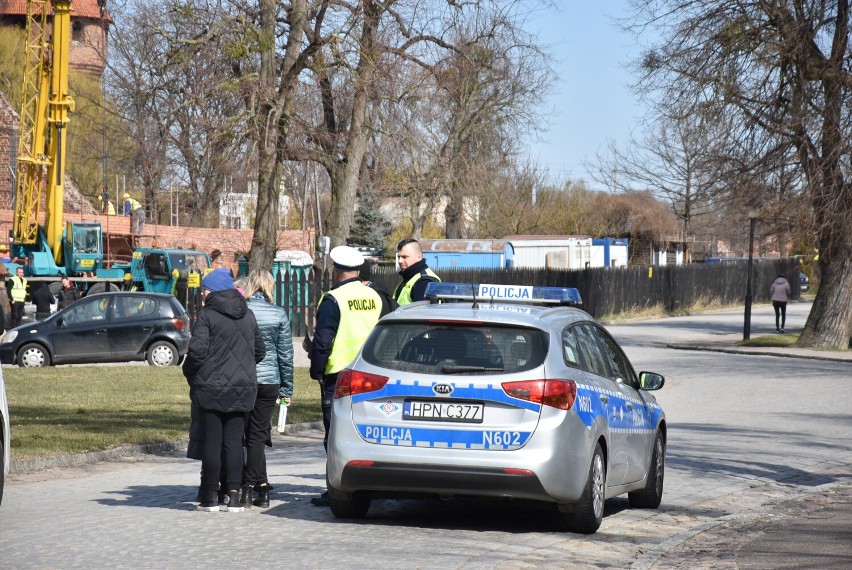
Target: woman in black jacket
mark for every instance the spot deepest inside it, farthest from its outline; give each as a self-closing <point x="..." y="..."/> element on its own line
<point x="220" y="365"/>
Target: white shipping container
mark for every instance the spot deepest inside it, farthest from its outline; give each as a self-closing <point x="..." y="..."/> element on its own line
<point x="563" y="253"/>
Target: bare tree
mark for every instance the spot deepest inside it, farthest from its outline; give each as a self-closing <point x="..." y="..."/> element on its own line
<point x="674" y="159"/>
<point x="179" y="97"/>
<point x="778" y="73"/>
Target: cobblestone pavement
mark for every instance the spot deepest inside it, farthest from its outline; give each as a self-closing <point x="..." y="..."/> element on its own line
<point x="138" y="512"/>
<point x="759" y="475"/>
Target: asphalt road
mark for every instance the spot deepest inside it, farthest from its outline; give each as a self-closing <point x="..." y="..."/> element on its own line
<point x="758" y="476"/>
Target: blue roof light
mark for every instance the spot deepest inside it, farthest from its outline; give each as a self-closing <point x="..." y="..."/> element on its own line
<point x="486" y="293"/>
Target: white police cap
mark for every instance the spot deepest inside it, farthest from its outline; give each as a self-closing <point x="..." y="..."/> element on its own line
<point x="346" y="258"/>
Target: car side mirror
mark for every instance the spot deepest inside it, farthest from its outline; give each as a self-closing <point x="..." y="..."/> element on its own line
<point x="651" y="381"/>
<point x="59" y="321"/>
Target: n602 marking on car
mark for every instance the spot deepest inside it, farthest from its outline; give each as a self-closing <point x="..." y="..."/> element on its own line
<point x="502" y="438"/>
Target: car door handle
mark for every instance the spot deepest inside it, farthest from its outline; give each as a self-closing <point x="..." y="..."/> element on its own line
<point x="99" y="331"/>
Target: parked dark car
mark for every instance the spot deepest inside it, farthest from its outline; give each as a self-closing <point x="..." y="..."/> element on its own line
<point x="107" y="327"/>
<point x="804" y="282"/>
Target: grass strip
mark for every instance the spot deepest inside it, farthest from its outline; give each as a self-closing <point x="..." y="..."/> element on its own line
<point x="76" y="409"/>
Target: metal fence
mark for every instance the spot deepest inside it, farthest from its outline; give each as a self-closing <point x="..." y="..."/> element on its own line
<point x="605" y="291"/>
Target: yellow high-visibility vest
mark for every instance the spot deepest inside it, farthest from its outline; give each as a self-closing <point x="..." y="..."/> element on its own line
<point x="360" y="309"/>
<point x="19" y="289"/>
<point x="403" y="290"/>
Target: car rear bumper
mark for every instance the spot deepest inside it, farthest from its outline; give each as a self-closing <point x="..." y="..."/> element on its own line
<point x="552" y="466"/>
<point x="407" y="478"/>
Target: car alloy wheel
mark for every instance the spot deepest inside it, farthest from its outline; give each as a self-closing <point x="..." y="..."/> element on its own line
<point x="33" y="356"/>
<point x="162" y="353"/>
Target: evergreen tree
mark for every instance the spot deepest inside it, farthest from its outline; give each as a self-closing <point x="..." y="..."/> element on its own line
<point x="370" y="226"/>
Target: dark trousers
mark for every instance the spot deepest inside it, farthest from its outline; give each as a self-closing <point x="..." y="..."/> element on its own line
<point x="780" y="313"/>
<point x="329" y="383"/>
<point x="258" y="434"/>
<point x="17" y="313"/>
<point x="223" y="448"/>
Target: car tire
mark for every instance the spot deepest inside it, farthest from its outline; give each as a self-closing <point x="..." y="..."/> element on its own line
<point x="33" y="356"/>
<point x="102" y="287"/>
<point x="162" y="353"/>
<point x="652" y="495"/>
<point x="348" y="505"/>
<point x="588" y="512"/>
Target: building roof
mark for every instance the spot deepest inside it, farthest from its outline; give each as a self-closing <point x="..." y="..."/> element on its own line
<point x="79" y="9"/>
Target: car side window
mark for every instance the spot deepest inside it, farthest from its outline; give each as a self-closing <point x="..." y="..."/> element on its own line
<point x="591" y="351"/>
<point x="87" y="310"/>
<point x="618" y="363"/>
<point x="570" y="351"/>
<point x="134" y="307"/>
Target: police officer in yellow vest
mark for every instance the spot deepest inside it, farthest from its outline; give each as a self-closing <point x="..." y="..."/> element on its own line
<point x="415" y="274"/>
<point x="345" y="316"/>
<point x="18" y="295"/>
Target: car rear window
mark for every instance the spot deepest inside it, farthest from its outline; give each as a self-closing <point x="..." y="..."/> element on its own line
<point x="446" y="348"/>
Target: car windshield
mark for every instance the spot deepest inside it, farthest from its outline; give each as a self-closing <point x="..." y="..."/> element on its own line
<point x="447" y="348"/>
<point x="188" y="261"/>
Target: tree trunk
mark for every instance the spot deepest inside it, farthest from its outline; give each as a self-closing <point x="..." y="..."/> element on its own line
<point x="265" y="239"/>
<point x="345" y="174"/>
<point x="828" y="322"/>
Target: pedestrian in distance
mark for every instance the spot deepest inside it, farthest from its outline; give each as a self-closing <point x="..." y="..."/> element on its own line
<point x="274" y="383"/>
<point x="345" y="316"/>
<point x="415" y="274"/>
<point x="5" y="301"/>
<point x="42" y="299"/>
<point x="18" y="295"/>
<point x="780" y="292"/>
<point x="220" y="368"/>
<point x="69" y="294"/>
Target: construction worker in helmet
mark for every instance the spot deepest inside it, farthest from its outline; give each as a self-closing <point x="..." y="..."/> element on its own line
<point x="134" y="209"/>
<point x="109" y="208"/>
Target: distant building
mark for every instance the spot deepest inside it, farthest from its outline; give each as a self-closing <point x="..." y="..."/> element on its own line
<point x="89" y="42"/>
<point x="237" y="208"/>
<point x="89" y="31"/>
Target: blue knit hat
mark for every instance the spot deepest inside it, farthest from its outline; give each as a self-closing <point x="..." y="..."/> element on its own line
<point x="218" y="280"/>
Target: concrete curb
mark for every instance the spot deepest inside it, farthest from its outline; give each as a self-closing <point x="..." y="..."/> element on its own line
<point x="780" y="352"/>
<point x="33" y="464"/>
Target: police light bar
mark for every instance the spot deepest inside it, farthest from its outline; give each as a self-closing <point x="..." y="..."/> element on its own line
<point x="485" y="293"/>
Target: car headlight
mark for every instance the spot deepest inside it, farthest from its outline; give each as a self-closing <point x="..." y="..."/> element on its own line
<point x="9" y="336"/>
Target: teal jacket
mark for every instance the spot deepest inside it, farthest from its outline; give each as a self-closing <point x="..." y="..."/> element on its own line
<point x="277" y="365"/>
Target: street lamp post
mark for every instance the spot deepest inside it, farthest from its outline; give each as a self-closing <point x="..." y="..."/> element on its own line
<point x="747" y="323"/>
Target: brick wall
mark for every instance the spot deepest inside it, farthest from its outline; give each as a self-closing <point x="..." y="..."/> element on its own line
<point x="9" y="126"/>
<point x="230" y="242"/>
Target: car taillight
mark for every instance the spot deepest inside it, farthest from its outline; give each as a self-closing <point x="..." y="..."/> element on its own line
<point x="179" y="323"/>
<point x="555" y="393"/>
<point x="351" y="382"/>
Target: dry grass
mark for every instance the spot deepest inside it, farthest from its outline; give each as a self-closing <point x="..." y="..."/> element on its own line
<point x="75" y="409"/>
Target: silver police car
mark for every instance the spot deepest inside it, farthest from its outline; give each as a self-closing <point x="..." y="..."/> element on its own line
<point x="496" y="391"/>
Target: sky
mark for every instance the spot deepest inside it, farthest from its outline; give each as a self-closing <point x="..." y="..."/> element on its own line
<point x="592" y="101"/>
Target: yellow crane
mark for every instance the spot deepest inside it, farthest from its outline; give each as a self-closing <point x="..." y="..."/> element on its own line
<point x="45" y="105"/>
